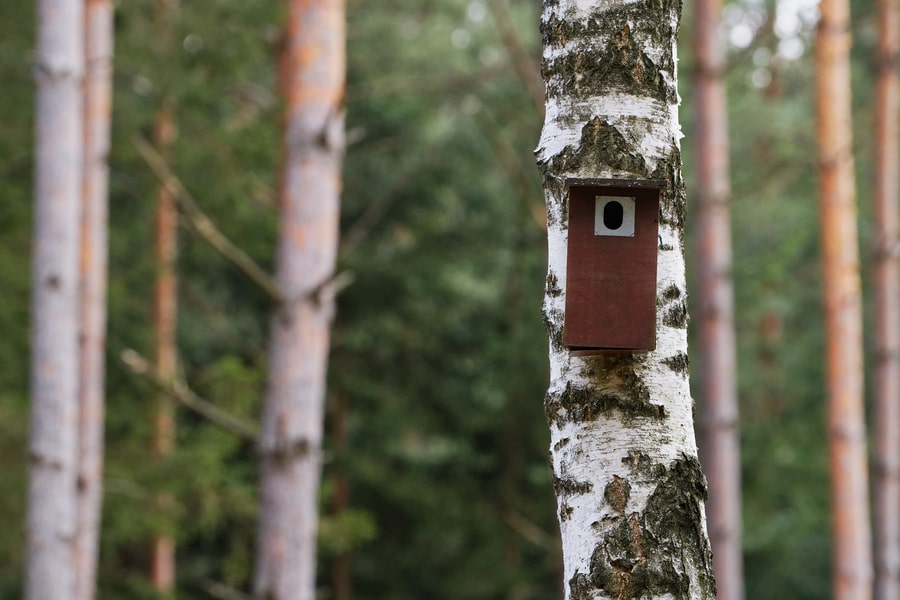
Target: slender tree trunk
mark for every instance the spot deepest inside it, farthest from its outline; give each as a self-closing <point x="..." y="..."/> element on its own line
<point x="51" y="521"/>
<point x="629" y="486"/>
<point x="526" y="68"/>
<point x="843" y="307"/>
<point x="887" y="308"/>
<point x="165" y="310"/>
<point x="94" y="225"/>
<point x="341" y="574"/>
<point x="290" y="442"/>
<point x="165" y="303"/>
<point x="719" y="433"/>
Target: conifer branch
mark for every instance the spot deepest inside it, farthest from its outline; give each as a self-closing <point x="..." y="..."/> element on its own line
<point x="203" y="225"/>
<point x="525" y="66"/>
<point x="179" y="390"/>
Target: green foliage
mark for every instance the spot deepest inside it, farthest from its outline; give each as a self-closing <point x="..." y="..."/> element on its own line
<point x="439" y="353"/>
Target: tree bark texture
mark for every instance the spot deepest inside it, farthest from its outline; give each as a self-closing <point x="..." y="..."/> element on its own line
<point x="887" y="309"/>
<point x="843" y="307"/>
<point x="165" y="319"/>
<point x="165" y="309"/>
<point x="94" y="225"/>
<point x="719" y="433"/>
<point x="629" y="486"/>
<point x="51" y="520"/>
<point x="292" y="420"/>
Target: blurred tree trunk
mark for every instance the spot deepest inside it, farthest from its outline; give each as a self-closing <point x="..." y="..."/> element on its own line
<point x="53" y="447"/>
<point x="94" y="225"/>
<point x="526" y="68"/>
<point x="629" y="486"/>
<point x="887" y="309"/>
<point x="313" y="67"/>
<point x="843" y="306"/>
<point x="165" y="309"/>
<point x="341" y="574"/>
<point x="719" y="432"/>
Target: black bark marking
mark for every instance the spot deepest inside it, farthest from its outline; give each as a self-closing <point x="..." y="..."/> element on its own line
<point x="561" y="444"/>
<point x="554" y="323"/>
<point x="583" y="404"/>
<point x="565" y="511"/>
<point x="570" y="487"/>
<point x="678" y="363"/>
<point x="285" y="452"/>
<point x="606" y="144"/>
<point x="649" y="554"/>
<point x="552" y="289"/>
<point x="628" y="68"/>
<point x="642" y="465"/>
<point x="673" y="292"/>
<point x="617" y="493"/>
<point x="677" y="316"/>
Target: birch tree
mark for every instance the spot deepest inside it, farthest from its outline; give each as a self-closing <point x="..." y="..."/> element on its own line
<point x="94" y="225"/>
<point x="887" y="310"/>
<point x="312" y="72"/>
<point x="53" y="446"/>
<point x="719" y="432"/>
<point x="629" y="487"/>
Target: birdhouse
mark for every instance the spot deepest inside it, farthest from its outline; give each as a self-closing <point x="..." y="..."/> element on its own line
<point x="611" y="265"/>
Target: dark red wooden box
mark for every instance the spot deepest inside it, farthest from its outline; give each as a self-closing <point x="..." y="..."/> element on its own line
<point x="611" y="264"/>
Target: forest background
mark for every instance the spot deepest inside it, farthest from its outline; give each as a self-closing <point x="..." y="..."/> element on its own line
<point x="438" y="364"/>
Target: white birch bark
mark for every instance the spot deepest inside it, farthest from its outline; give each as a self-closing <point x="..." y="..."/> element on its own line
<point x="51" y="520"/>
<point x="629" y="487"/>
<point x="313" y="72"/>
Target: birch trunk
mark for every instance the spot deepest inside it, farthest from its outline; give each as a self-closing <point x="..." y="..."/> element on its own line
<point x="51" y="520"/>
<point x="887" y="309"/>
<point x="97" y="111"/>
<point x="719" y="432"/>
<point x="852" y="553"/>
<point x="628" y="482"/>
<point x="290" y="443"/>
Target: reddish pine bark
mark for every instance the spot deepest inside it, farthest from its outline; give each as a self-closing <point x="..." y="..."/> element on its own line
<point x="887" y="310"/>
<point x="852" y="554"/>
<point x="290" y="441"/>
<point x="53" y="444"/>
<point x="97" y="113"/>
<point x="718" y="419"/>
<point x="165" y="311"/>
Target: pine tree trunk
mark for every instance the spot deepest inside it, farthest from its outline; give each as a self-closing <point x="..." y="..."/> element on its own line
<point x="843" y="306"/>
<point x="341" y="572"/>
<point x="97" y="114"/>
<point x="629" y="486"/>
<point x="165" y="311"/>
<point x="887" y="309"/>
<point x="719" y="432"/>
<point x="51" y="522"/>
<point x="291" y="438"/>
